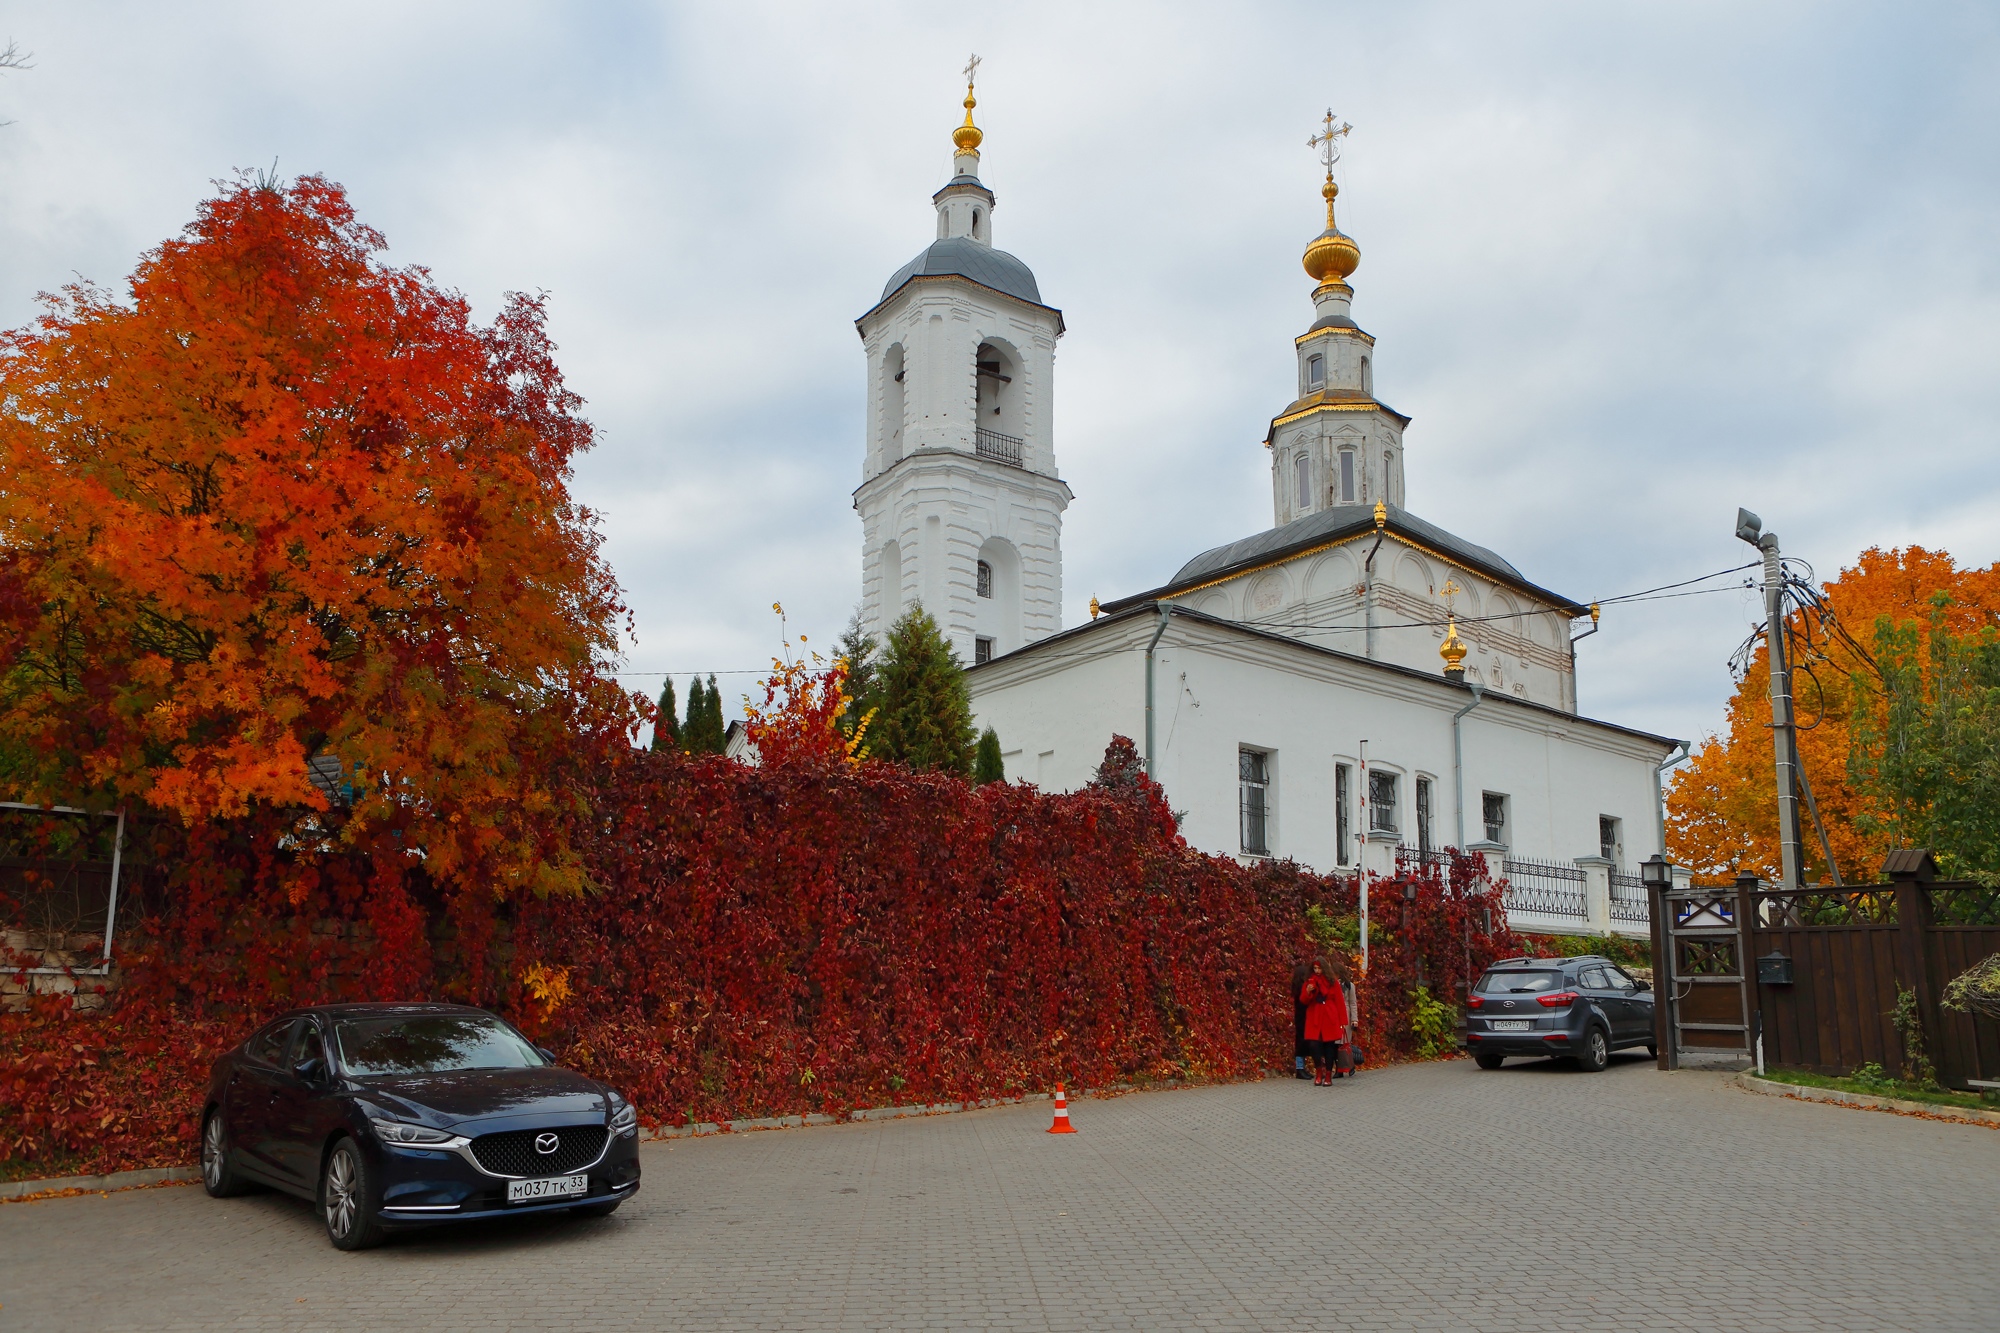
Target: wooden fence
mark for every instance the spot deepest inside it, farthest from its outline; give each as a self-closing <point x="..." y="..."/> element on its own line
<point x="1850" y="950"/>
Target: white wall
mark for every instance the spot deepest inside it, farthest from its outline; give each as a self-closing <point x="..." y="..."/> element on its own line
<point x="1219" y="688"/>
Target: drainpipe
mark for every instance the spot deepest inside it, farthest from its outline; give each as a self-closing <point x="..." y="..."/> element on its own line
<point x="1458" y="759"/>
<point x="1660" y="798"/>
<point x="1165" y="612"/>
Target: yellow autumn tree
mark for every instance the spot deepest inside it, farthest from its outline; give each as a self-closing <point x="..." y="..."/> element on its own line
<point x="1722" y="808"/>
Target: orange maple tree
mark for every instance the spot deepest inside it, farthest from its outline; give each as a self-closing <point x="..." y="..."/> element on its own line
<point x="1722" y="808"/>
<point x="289" y="521"/>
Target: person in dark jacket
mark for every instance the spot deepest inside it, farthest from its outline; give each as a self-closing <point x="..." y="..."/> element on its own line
<point x="1301" y="1053"/>
<point x="1325" y="1000"/>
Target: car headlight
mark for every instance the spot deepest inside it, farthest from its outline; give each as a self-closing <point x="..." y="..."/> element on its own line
<point x="624" y="1116"/>
<point x="399" y="1131"/>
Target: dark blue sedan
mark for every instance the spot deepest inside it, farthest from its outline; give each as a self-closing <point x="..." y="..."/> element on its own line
<point x="396" y="1115"/>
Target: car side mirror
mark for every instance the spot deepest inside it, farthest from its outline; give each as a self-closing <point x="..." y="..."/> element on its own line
<point x="309" y="1071"/>
<point x="546" y="1054"/>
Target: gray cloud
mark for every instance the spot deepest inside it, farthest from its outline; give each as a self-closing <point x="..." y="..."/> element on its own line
<point x="1629" y="266"/>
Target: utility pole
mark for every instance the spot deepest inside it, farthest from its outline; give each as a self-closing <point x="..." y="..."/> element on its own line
<point x="1784" y="737"/>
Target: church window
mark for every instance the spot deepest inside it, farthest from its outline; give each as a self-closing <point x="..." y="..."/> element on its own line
<point x="1315" y="371"/>
<point x="1611" y="840"/>
<point x="1493" y="805"/>
<point x="1303" y="471"/>
<point x="982" y="651"/>
<point x="1424" y="839"/>
<point x="983" y="577"/>
<point x="1381" y="802"/>
<point x="1347" y="476"/>
<point x="1343" y="812"/>
<point x="1367" y="379"/>
<point x="1253" y="774"/>
<point x="975" y="224"/>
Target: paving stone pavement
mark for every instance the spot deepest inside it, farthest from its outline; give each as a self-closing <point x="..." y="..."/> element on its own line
<point x="1427" y="1197"/>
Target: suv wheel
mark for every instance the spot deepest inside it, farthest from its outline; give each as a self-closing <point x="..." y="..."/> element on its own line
<point x="216" y="1176"/>
<point x="1488" y="1060"/>
<point x="344" y="1190"/>
<point x="1596" y="1053"/>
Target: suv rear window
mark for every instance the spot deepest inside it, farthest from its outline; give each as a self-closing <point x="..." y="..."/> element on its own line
<point x="1522" y="982"/>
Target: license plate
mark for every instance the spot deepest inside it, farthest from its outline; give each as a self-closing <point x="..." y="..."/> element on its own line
<point x="1511" y="1024"/>
<point x="555" y="1187"/>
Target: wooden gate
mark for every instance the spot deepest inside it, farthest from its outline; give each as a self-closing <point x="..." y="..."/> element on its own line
<point x="1701" y="1002"/>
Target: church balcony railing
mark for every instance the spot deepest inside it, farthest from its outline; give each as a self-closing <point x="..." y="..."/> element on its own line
<point x="1546" y="887"/>
<point x="1000" y="448"/>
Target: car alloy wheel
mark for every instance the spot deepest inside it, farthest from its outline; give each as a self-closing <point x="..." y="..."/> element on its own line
<point x="343" y="1194"/>
<point x="216" y="1177"/>
<point x="1596" y="1051"/>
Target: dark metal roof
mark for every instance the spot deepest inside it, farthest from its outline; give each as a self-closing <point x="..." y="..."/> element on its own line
<point x="966" y="258"/>
<point x="1331" y="525"/>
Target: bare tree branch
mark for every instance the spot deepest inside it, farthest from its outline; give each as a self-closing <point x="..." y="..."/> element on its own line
<point x="13" y="57"/>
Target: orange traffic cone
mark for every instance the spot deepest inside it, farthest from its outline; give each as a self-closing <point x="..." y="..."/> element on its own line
<point x="1062" y="1124"/>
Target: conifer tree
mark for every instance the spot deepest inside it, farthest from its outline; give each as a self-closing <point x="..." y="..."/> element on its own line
<point x="704" y="732"/>
<point x="987" y="765"/>
<point x="864" y="669"/>
<point x="926" y="717"/>
<point x="666" y="731"/>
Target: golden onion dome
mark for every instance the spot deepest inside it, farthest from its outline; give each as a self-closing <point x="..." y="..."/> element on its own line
<point x="1453" y="651"/>
<point x="968" y="136"/>
<point x="1331" y="256"/>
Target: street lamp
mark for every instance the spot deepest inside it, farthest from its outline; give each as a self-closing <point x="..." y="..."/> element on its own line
<point x="1656" y="872"/>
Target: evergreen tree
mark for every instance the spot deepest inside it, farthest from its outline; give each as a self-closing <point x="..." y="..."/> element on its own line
<point x="926" y="717"/>
<point x="666" y="731"/>
<point x="864" y="669"/>
<point x="704" y="732"/>
<point x="987" y="765"/>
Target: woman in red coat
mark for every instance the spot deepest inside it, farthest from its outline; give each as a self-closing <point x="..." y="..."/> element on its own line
<point x="1326" y="1020"/>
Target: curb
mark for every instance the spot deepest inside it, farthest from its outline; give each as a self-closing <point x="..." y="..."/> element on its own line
<point x="704" y="1128"/>
<point x="117" y="1180"/>
<point x="1861" y="1101"/>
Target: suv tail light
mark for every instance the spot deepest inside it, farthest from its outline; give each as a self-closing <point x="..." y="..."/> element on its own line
<point x="1473" y="1002"/>
<point x="1562" y="999"/>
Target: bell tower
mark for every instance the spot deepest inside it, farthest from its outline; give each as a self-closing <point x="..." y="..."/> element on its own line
<point x="961" y="504"/>
<point x="1337" y="444"/>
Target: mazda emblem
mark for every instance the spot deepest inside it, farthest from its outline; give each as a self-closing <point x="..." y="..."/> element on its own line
<point x="1509" y="1004"/>
<point x="546" y="1143"/>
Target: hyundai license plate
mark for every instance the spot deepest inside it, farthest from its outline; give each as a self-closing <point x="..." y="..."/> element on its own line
<point x="555" y="1187"/>
<point x="1511" y="1024"/>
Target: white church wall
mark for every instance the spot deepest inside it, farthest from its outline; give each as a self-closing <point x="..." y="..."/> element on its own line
<point x="1219" y="690"/>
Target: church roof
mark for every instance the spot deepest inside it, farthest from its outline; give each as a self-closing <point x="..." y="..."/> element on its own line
<point x="966" y="258"/>
<point x="1329" y="527"/>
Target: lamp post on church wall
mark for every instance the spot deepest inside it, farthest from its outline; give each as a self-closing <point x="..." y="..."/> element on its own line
<point x="1784" y="738"/>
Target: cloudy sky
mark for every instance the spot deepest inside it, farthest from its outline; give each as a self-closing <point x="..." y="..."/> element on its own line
<point x="1629" y="265"/>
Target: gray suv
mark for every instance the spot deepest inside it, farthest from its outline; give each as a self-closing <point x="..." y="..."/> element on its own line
<point x="1584" y="1008"/>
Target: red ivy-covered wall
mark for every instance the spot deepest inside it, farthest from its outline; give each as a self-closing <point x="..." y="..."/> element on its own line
<point x="764" y="941"/>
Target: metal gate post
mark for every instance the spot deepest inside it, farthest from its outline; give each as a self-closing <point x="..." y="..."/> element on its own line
<point x="1911" y="871"/>
<point x="1746" y="964"/>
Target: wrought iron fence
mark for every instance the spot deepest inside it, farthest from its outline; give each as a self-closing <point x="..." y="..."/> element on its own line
<point x="1419" y="856"/>
<point x="1000" y="448"/>
<point x="1628" y="898"/>
<point x="1547" y="887"/>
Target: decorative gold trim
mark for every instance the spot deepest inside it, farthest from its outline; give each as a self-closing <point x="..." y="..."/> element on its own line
<point x="1372" y="405"/>
<point x="1362" y="334"/>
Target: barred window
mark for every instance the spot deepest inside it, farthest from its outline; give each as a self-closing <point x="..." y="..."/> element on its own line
<point x="983" y="576"/>
<point x="982" y="651"/>
<point x="1494" y="804"/>
<point x="1253" y="774"/>
<point x="1610" y="840"/>
<point x="1381" y="802"/>
<point x="1424" y="843"/>
<point x="1343" y="813"/>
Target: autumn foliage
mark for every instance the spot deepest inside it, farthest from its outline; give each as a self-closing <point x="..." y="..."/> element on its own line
<point x="1722" y="808"/>
<point x="290" y="504"/>
<point x="800" y="937"/>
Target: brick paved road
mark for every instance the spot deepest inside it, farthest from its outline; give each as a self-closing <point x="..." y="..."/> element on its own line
<point x="1429" y="1197"/>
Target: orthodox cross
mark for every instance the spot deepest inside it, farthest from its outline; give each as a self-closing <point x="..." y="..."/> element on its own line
<point x="971" y="69"/>
<point x="1449" y="591"/>
<point x="1328" y="141"/>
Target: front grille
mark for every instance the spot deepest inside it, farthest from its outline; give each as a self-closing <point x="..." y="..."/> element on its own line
<point x="513" y="1153"/>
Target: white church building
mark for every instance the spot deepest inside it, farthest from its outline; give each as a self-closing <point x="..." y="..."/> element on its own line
<point x="1351" y="684"/>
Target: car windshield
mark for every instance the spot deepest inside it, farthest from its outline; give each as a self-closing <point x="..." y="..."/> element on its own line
<point x="1519" y="983"/>
<point x="431" y="1044"/>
